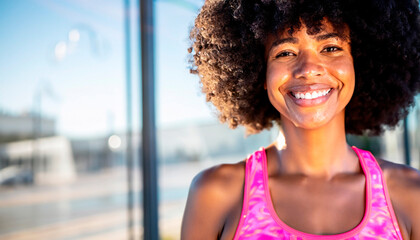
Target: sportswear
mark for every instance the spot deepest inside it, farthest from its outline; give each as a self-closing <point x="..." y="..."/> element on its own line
<point x="260" y="221"/>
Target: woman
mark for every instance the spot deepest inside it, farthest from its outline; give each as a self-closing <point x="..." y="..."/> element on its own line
<point x="320" y="69"/>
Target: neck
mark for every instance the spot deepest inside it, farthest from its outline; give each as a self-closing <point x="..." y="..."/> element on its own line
<point x="321" y="152"/>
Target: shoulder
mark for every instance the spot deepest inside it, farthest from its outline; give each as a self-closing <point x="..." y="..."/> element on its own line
<point x="400" y="176"/>
<point x="213" y="194"/>
<point x="219" y="182"/>
<point x="220" y="177"/>
<point x="404" y="189"/>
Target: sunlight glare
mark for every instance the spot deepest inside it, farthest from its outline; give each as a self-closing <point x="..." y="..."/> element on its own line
<point x="114" y="142"/>
<point x="74" y="35"/>
<point x="60" y="50"/>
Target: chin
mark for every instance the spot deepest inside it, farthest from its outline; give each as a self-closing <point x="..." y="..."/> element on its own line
<point x="312" y="118"/>
<point x="313" y="121"/>
<point x="310" y="126"/>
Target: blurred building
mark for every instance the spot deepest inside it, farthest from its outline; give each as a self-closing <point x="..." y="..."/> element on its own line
<point x="208" y="141"/>
<point x="31" y="153"/>
<point x="25" y="126"/>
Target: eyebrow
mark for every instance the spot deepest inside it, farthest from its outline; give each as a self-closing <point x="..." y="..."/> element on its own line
<point x="317" y="38"/>
<point x="284" y="40"/>
<point x="329" y="35"/>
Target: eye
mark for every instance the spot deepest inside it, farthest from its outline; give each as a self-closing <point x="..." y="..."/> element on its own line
<point x="332" y="49"/>
<point x="284" y="54"/>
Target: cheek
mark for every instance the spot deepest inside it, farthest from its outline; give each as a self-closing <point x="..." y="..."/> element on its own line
<point x="276" y="76"/>
<point x="276" y="98"/>
<point x="350" y="76"/>
<point x="275" y="79"/>
<point x="344" y="72"/>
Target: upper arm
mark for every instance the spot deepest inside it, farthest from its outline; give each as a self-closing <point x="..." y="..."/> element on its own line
<point x="210" y="199"/>
<point x="404" y="189"/>
<point x="413" y="203"/>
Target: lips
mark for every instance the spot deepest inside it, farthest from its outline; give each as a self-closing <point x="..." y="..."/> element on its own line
<point x="310" y="95"/>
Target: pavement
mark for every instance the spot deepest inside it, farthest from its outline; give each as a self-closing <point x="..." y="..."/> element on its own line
<point x="94" y="206"/>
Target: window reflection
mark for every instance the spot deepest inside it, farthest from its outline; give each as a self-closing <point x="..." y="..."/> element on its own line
<point x="63" y="121"/>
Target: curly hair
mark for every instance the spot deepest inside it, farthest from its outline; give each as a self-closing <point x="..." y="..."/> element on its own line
<point x="228" y="55"/>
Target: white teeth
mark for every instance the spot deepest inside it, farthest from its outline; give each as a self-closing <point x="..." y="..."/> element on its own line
<point x="313" y="95"/>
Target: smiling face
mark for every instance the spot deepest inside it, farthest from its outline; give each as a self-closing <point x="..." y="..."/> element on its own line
<point x="310" y="78"/>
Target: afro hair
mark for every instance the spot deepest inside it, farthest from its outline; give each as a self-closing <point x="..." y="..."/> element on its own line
<point x="228" y="55"/>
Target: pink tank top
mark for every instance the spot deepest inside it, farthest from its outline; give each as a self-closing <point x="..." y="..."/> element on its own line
<point x="260" y="221"/>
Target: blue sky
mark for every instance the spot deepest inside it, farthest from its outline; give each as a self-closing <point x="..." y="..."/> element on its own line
<point x="84" y="89"/>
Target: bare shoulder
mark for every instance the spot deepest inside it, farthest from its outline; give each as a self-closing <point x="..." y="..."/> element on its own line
<point x="213" y="193"/>
<point x="402" y="176"/>
<point x="219" y="183"/>
<point x="404" y="189"/>
<point x="220" y="177"/>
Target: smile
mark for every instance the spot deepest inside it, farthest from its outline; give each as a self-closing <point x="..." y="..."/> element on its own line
<point x="311" y="94"/>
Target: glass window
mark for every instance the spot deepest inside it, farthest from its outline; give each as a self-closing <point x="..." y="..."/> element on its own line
<point x="63" y="120"/>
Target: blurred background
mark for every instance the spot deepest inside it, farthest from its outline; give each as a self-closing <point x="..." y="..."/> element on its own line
<point x="70" y="120"/>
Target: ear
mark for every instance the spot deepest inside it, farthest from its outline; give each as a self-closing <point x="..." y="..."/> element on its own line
<point x="265" y="86"/>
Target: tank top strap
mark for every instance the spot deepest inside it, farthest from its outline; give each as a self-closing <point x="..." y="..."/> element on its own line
<point x="254" y="201"/>
<point x="380" y="204"/>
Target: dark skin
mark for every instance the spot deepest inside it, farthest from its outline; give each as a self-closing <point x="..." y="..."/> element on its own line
<point x="318" y="195"/>
<point x="215" y="200"/>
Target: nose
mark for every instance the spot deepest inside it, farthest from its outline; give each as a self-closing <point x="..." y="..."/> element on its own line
<point x="308" y="66"/>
